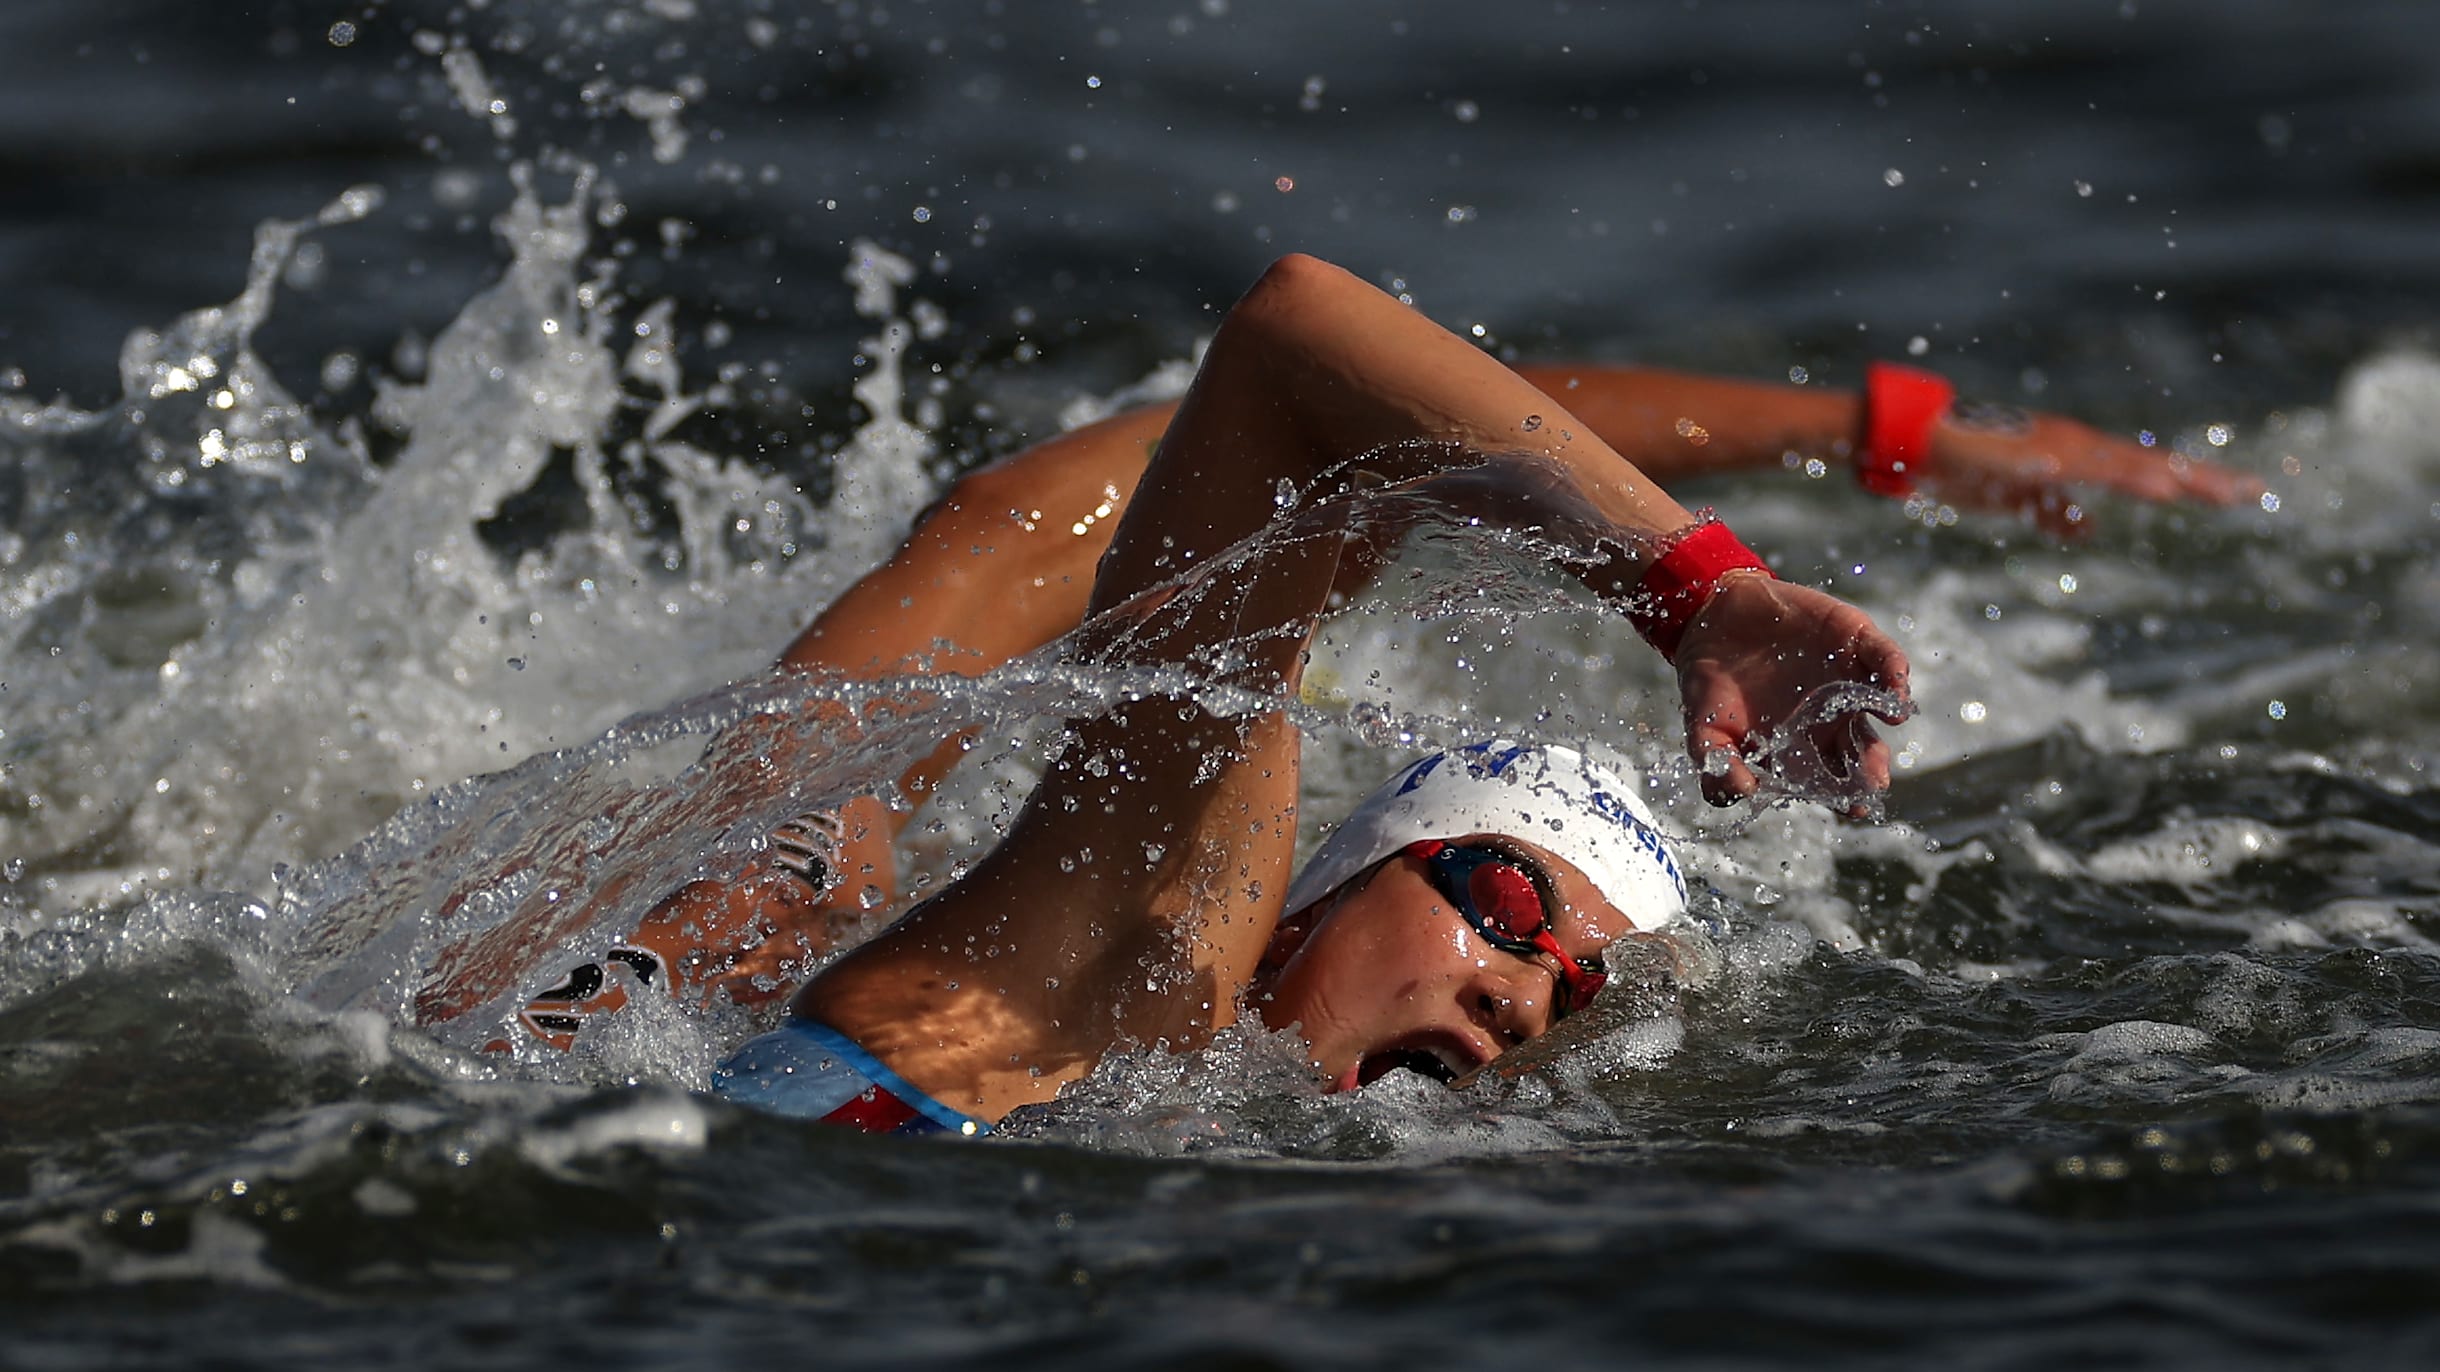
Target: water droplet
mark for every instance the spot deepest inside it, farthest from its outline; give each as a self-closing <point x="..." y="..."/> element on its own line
<point x="1973" y="712"/>
<point x="2270" y="502"/>
<point x="1893" y="177"/>
<point x="2084" y="189"/>
<point x="1532" y="422"/>
<point x="354" y="203"/>
<point x="1284" y="184"/>
<point x="1466" y="111"/>
<point x="1918" y="345"/>
<point x="342" y="34"/>
<point x="2277" y="709"/>
<point x="1092" y="83"/>
<point x="870" y="898"/>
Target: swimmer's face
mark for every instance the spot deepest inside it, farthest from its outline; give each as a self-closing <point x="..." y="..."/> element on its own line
<point x="1386" y="973"/>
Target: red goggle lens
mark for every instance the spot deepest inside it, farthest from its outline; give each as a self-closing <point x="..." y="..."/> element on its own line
<point x="1495" y="895"/>
<point x="1505" y="900"/>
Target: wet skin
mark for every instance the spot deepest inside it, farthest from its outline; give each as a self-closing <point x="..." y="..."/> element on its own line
<point x="1385" y="972"/>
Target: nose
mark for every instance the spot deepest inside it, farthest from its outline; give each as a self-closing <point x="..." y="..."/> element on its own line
<point x="1512" y="1003"/>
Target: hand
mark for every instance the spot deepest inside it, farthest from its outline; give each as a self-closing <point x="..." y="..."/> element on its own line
<point x="1997" y="457"/>
<point x="1777" y="679"/>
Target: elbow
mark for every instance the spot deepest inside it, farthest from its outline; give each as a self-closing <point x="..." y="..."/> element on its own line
<point x="1296" y="271"/>
<point x="1295" y="284"/>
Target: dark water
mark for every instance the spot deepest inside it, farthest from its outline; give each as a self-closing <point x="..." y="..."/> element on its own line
<point x="2117" y="1047"/>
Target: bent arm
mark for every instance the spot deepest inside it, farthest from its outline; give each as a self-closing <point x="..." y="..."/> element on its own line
<point x="1144" y="877"/>
<point x="1005" y="562"/>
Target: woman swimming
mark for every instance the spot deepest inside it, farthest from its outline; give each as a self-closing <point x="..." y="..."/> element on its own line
<point x="1142" y="894"/>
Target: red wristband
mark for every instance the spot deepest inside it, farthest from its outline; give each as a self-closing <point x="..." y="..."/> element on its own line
<point x="1900" y="406"/>
<point x="1677" y="586"/>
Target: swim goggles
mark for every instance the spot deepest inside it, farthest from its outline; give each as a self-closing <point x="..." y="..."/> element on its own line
<point x="1501" y="896"/>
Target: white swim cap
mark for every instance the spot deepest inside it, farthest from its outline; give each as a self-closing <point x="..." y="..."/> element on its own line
<point x="1548" y="796"/>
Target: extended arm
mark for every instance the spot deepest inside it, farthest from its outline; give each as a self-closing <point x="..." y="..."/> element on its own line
<point x="1675" y="425"/>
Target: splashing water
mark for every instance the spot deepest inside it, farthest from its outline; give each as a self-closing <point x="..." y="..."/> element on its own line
<point x="365" y="647"/>
<point x="1792" y="763"/>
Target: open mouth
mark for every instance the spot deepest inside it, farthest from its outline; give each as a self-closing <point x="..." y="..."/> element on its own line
<point x="1442" y="1061"/>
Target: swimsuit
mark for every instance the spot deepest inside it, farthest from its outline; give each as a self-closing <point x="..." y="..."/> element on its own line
<point x="802" y="1070"/>
<point x="811" y="1071"/>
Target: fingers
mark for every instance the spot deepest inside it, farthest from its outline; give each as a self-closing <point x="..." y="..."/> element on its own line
<point x="2168" y="477"/>
<point x="1716" y="731"/>
<point x="1844" y="757"/>
<point x="2157" y="474"/>
<point x="2034" y="466"/>
<point x="1870" y="754"/>
<point x="1857" y="763"/>
<point x="1759" y="674"/>
<point x="1726" y="778"/>
<point x="1881" y="662"/>
<point x="2217" y="485"/>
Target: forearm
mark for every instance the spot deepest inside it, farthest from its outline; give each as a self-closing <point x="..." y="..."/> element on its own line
<point x="1324" y="374"/>
<point x="1676" y="425"/>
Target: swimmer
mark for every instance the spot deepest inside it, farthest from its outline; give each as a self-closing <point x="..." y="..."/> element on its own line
<point x="1143" y="893"/>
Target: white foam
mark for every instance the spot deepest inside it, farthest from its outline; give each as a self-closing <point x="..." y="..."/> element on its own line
<point x="2393" y="399"/>
<point x="2355" y="922"/>
<point x="2188" y="852"/>
<point x="659" y="1119"/>
<point x="2136" y="1040"/>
